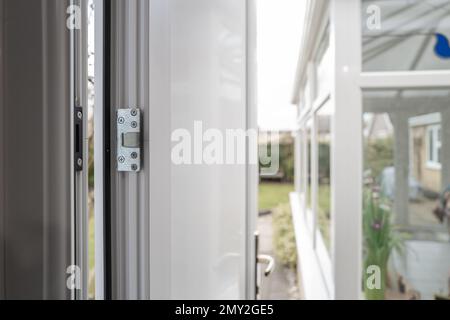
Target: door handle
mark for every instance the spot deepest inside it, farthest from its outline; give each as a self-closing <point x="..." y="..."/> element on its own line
<point x="269" y="261"/>
<point x="261" y="259"/>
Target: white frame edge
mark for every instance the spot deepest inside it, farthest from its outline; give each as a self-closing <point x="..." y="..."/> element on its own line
<point x="346" y="170"/>
<point x="98" y="156"/>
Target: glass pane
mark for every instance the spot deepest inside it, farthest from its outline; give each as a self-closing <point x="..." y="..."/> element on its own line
<point x="309" y="174"/>
<point x="406" y="228"/>
<point x="431" y="138"/>
<point x="308" y="95"/>
<point x="324" y="66"/>
<point x="324" y="172"/>
<point x="405" y="35"/>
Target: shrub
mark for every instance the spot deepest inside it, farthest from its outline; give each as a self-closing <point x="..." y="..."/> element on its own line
<point x="284" y="236"/>
<point x="324" y="161"/>
<point x="286" y="157"/>
<point x="287" y="161"/>
<point x="379" y="154"/>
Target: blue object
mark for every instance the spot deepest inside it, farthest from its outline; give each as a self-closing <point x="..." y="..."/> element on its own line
<point x="442" y="48"/>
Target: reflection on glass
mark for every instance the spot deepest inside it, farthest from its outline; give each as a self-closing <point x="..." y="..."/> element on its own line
<point x="406" y="188"/>
<point x="309" y="173"/>
<point x="405" y="34"/>
<point x="324" y="65"/>
<point x="324" y="172"/>
<point x="425" y="167"/>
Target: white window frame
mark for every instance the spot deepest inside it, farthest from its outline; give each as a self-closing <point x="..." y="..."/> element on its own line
<point x="322" y="253"/>
<point x="434" y="132"/>
<point x="347" y="158"/>
<point x="347" y="16"/>
<point x="312" y="101"/>
<point x="309" y="187"/>
<point x="322" y="60"/>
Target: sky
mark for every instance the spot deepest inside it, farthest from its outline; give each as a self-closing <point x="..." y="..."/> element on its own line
<point x="279" y="32"/>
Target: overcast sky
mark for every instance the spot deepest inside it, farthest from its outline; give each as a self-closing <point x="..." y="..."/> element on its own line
<point x="280" y="25"/>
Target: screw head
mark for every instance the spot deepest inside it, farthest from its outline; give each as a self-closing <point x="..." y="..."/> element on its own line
<point x="80" y="162"/>
<point x="80" y="115"/>
<point x="121" y="120"/>
<point x="134" y="112"/>
<point x="134" y="155"/>
<point x="134" y="124"/>
<point x="121" y="159"/>
<point x="134" y="167"/>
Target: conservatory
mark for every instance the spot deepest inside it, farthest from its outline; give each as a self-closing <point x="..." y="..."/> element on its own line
<point x="373" y="150"/>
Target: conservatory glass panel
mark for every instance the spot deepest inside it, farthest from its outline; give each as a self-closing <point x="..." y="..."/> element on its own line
<point x="309" y="217"/>
<point x="324" y="117"/>
<point x="405" y="196"/>
<point x="324" y="66"/>
<point x="402" y="35"/>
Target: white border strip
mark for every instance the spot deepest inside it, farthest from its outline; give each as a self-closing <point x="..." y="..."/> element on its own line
<point x="404" y="79"/>
<point x="98" y="156"/>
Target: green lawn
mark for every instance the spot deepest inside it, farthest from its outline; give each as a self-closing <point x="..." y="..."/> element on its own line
<point x="271" y="195"/>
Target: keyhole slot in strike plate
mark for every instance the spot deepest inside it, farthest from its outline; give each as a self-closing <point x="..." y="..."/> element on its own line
<point x="78" y="139"/>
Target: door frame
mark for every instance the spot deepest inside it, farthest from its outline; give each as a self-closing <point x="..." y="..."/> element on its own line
<point x="61" y="83"/>
<point x="112" y="245"/>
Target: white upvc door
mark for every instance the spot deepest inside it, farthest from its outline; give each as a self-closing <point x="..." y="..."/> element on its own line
<point x="43" y="171"/>
<point x="178" y="231"/>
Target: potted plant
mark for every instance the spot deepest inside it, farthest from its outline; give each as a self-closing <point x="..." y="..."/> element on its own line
<point x="380" y="239"/>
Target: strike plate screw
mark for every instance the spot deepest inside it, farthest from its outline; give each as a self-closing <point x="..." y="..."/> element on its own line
<point x="134" y="112"/>
<point x="121" y="120"/>
<point x="134" y="155"/>
<point x="134" y="167"/>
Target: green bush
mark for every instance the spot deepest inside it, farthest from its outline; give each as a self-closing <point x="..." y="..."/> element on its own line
<point x="284" y="236"/>
<point x="379" y="154"/>
<point x="287" y="161"/>
<point x="324" y="161"/>
<point x="286" y="156"/>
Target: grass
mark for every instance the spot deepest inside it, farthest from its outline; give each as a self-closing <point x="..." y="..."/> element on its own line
<point x="275" y="197"/>
<point x="271" y="195"/>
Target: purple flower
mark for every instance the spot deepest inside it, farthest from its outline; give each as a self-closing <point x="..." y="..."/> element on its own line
<point x="377" y="225"/>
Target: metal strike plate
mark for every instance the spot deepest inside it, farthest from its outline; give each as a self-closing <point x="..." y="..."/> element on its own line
<point x="78" y="139"/>
<point x="129" y="140"/>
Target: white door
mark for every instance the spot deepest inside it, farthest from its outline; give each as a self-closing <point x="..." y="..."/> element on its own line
<point x="179" y="229"/>
<point x="43" y="187"/>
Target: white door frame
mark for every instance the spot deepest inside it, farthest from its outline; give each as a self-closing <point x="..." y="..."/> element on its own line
<point x="142" y="265"/>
